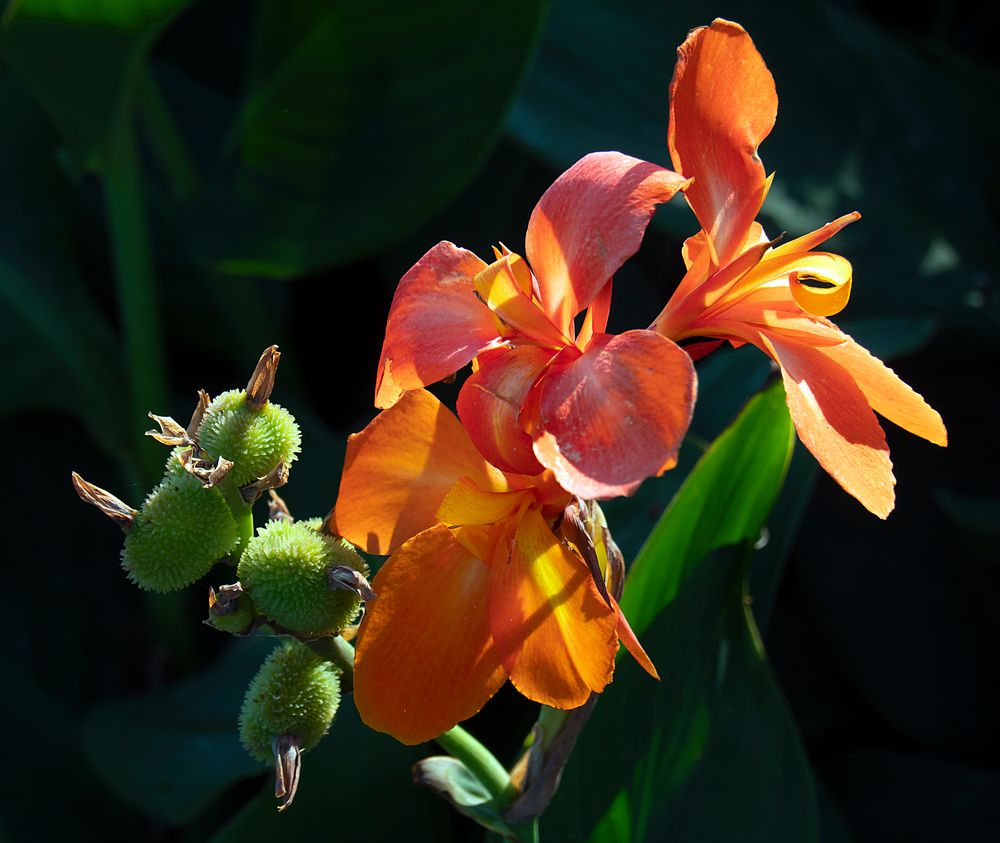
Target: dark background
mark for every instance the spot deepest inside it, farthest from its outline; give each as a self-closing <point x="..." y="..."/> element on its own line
<point x="177" y="195"/>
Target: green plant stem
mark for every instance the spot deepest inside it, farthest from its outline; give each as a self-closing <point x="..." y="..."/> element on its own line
<point x="165" y="139"/>
<point x="134" y="273"/>
<point x="480" y="761"/>
<point x="242" y="513"/>
<point x="340" y="653"/>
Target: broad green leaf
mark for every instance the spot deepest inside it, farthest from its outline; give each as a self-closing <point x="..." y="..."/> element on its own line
<point x="360" y="120"/>
<point x="453" y="781"/>
<point x="122" y="14"/>
<point x="80" y="75"/>
<point x="190" y="729"/>
<point x="724" y="501"/>
<point x="699" y="755"/>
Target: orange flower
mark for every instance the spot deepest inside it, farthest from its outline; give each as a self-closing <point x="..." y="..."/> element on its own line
<point x="743" y="288"/>
<point x="589" y="406"/>
<point x="478" y="588"/>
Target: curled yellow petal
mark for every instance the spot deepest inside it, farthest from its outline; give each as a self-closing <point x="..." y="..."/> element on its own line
<point x="820" y="283"/>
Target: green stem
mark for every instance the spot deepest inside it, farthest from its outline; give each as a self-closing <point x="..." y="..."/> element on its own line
<point x="480" y="761"/>
<point x="341" y="654"/>
<point x="242" y="513"/>
<point x="165" y="139"/>
<point x="134" y="273"/>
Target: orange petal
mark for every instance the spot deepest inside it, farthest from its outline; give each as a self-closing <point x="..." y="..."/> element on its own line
<point x="501" y="287"/>
<point x="631" y="643"/>
<point x="436" y="324"/>
<point x="555" y="635"/>
<point x="722" y="105"/>
<point x="426" y="658"/>
<point x="466" y="504"/>
<point x="489" y="406"/>
<point x="588" y="223"/>
<point x="810" y="241"/>
<point x="399" y="469"/>
<point x="616" y="414"/>
<point x="887" y="394"/>
<point x="834" y="421"/>
<point x="596" y="320"/>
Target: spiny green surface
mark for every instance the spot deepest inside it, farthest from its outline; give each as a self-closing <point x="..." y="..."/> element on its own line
<point x="295" y="693"/>
<point x="255" y="440"/>
<point x="179" y="533"/>
<point x="284" y="570"/>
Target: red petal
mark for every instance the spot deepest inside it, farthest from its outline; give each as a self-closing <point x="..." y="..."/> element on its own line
<point x="722" y="105"/>
<point x="554" y="633"/>
<point x="398" y="470"/>
<point x="631" y="643"/>
<point x="436" y="324"/>
<point x="426" y="658"/>
<point x="489" y="406"/>
<point x="835" y="423"/>
<point x="588" y="224"/>
<point x="615" y="415"/>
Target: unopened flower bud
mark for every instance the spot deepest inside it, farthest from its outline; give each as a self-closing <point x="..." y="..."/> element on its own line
<point x="256" y="438"/>
<point x="231" y="610"/>
<point x="285" y="570"/>
<point x="182" y="529"/>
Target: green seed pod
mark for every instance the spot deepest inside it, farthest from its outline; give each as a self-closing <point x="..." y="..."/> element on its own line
<point x="173" y="466"/>
<point x="284" y="569"/>
<point x="255" y="440"/>
<point x="231" y="610"/>
<point x="182" y="529"/>
<point x="295" y="694"/>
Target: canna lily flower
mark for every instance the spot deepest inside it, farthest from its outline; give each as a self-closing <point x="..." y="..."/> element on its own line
<point x="601" y="412"/>
<point x="742" y="287"/>
<point x="477" y="589"/>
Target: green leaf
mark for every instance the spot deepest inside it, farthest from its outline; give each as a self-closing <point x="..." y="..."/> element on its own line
<point x="451" y="779"/>
<point x="79" y="75"/>
<point x="724" y="501"/>
<point x="122" y="14"/>
<point x="189" y="729"/>
<point x="359" y="122"/>
<point x="699" y="755"/>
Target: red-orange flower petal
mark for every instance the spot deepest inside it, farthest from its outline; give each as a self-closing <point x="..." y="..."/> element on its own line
<point x="489" y="406"/>
<point x="503" y="293"/>
<point x="436" y="324"/>
<point x="615" y="415"/>
<point x="834" y="421"/>
<point x="588" y="223"/>
<point x="425" y="657"/>
<point x="399" y="469"/>
<point x="631" y="643"/>
<point x="887" y="394"/>
<point x="722" y="105"/>
<point x="555" y="635"/>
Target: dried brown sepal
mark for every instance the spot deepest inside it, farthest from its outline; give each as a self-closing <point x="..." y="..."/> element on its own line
<point x="349" y="633"/>
<point x="277" y="509"/>
<point x="208" y="472"/>
<point x="287" y="769"/>
<point x="170" y="433"/>
<point x="262" y="380"/>
<point x="199" y="413"/>
<point x="223" y="601"/>
<point x="348" y="579"/>
<point x="275" y="479"/>
<point x="326" y="528"/>
<point x="117" y="510"/>
<point x="538" y="771"/>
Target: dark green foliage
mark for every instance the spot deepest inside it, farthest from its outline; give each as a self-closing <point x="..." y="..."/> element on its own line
<point x="182" y="529"/>
<point x="295" y="693"/>
<point x="284" y="570"/>
<point x="254" y="440"/>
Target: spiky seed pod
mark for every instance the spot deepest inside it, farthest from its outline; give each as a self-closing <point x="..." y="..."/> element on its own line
<point x="256" y="440"/>
<point x="180" y="532"/>
<point x="295" y="693"/>
<point x="284" y="569"/>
